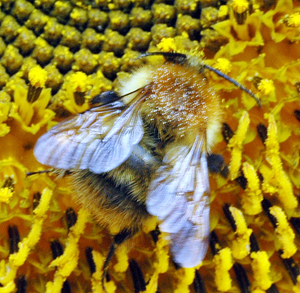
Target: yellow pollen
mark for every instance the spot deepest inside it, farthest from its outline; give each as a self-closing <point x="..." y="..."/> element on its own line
<point x="266" y="86"/>
<point x="78" y="82"/>
<point x="275" y="179"/>
<point x="293" y="20"/>
<point x="251" y="201"/>
<point x="240" y="6"/>
<point x="5" y="194"/>
<point x="284" y="232"/>
<point x="223" y="263"/>
<point x="167" y="45"/>
<point x="236" y="144"/>
<point x="223" y="65"/>
<point x="261" y="269"/>
<point x="37" y="76"/>
<point x="241" y="243"/>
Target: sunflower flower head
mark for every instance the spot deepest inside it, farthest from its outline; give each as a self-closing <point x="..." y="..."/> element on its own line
<point x="55" y="56"/>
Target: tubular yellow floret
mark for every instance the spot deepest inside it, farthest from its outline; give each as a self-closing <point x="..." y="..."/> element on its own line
<point x="97" y="275"/>
<point x="185" y="278"/>
<point x="17" y="259"/>
<point x="43" y="206"/>
<point x="76" y="87"/>
<point x="81" y="222"/>
<point x="241" y="244"/>
<point x="223" y="11"/>
<point x="99" y="262"/>
<point x="296" y="288"/>
<point x="167" y="45"/>
<point x="266" y="86"/>
<point x="224" y="65"/>
<point x="223" y="263"/>
<point x="8" y="288"/>
<point x="162" y="252"/>
<point x="37" y="76"/>
<point x="236" y="144"/>
<point x="5" y="194"/>
<point x="122" y="257"/>
<point x="293" y="20"/>
<point x="161" y="264"/>
<point x="252" y="198"/>
<point x="276" y="181"/>
<point x="239" y="6"/>
<point x="67" y="262"/>
<point x="284" y="232"/>
<point x="261" y="270"/>
<point x="152" y="286"/>
<point x="78" y="82"/>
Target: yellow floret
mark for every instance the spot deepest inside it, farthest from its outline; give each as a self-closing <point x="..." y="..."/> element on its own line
<point x="185" y="278"/>
<point x="5" y="194"/>
<point x="251" y="200"/>
<point x="293" y="20"/>
<point x="122" y="257"/>
<point x="223" y="65"/>
<point x="67" y="262"/>
<point x="78" y="228"/>
<point x="161" y="264"/>
<point x="162" y="252"/>
<point x="78" y="82"/>
<point x="296" y="288"/>
<point x="236" y="144"/>
<point x="240" y="6"/>
<point x="17" y="259"/>
<point x="223" y="11"/>
<point x="241" y="244"/>
<point x="261" y="270"/>
<point x="276" y="180"/>
<point x="266" y="87"/>
<point x="43" y="206"/>
<point x="37" y="76"/>
<point x="97" y="286"/>
<point x="284" y="232"/>
<point x="167" y="45"/>
<point x="97" y="275"/>
<point x="223" y="263"/>
<point x="8" y="288"/>
<point x="152" y="285"/>
<point x="36" y="231"/>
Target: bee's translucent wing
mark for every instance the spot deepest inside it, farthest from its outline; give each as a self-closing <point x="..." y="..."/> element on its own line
<point x="99" y="139"/>
<point x="179" y="197"/>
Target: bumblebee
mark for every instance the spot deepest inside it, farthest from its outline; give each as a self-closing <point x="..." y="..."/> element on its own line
<point x="143" y="153"/>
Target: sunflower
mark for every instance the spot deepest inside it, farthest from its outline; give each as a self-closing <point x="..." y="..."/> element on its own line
<point x="55" y="56"/>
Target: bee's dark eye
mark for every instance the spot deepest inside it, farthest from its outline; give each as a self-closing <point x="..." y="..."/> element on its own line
<point x="105" y="98"/>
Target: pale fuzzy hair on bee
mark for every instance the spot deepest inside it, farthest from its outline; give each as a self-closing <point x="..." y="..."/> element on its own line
<point x="145" y="75"/>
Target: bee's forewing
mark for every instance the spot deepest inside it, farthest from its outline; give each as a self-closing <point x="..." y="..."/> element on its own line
<point x="99" y="139"/>
<point x="179" y="197"/>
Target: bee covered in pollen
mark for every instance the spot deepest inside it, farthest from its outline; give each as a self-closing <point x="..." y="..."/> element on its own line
<point x="143" y="153"/>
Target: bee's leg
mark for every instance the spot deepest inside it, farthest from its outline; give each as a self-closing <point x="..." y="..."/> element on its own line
<point x="118" y="240"/>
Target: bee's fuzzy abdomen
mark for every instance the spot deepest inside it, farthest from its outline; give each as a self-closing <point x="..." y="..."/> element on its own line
<point x="112" y="203"/>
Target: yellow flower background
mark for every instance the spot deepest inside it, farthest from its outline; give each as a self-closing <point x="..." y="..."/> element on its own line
<point x="56" y="55"/>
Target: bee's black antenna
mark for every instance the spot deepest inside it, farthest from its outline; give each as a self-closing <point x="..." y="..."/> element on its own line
<point x="239" y="85"/>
